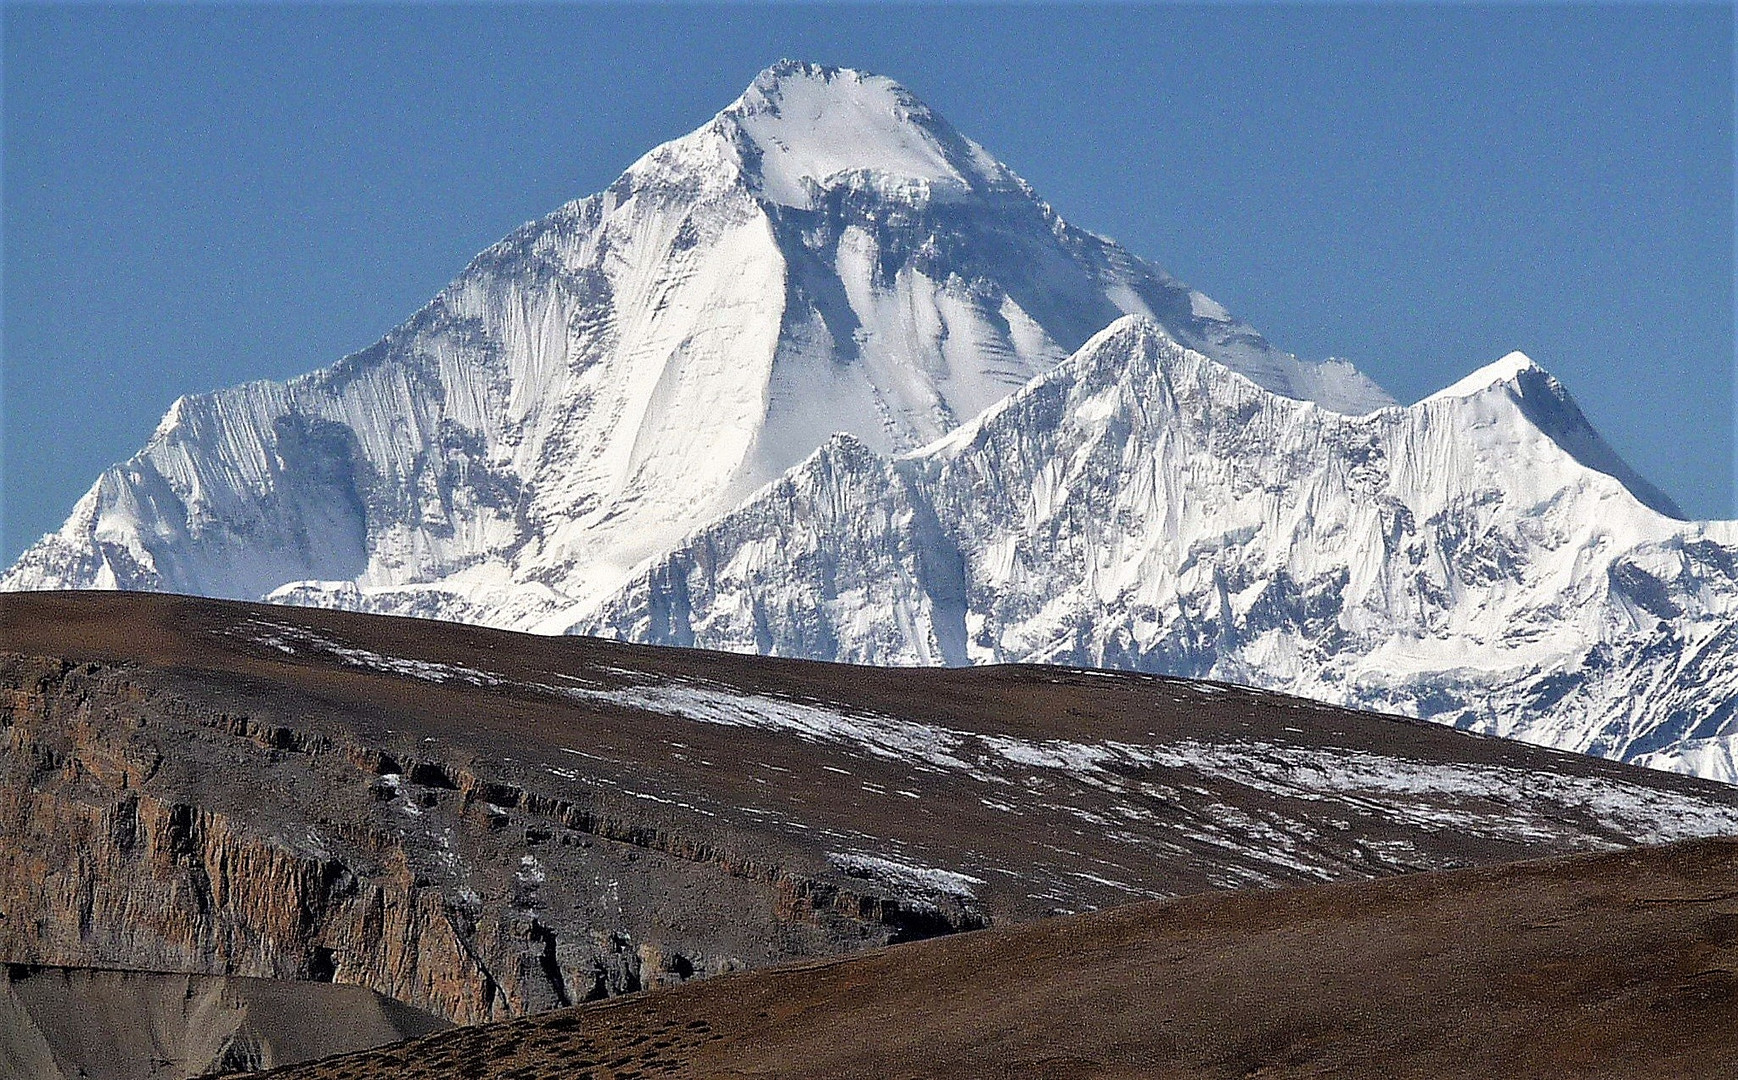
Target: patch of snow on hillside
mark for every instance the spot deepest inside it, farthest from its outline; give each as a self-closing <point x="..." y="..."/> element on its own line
<point x="1504" y="797"/>
<point x="1489" y="800"/>
<point x="295" y="641"/>
<point x="881" y="736"/>
<point x="907" y="875"/>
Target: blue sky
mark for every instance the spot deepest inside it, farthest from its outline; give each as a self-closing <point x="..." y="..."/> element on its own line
<point x="199" y="195"/>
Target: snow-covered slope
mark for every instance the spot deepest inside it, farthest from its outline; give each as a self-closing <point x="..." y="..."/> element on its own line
<point x="765" y="393"/>
<point x="825" y="255"/>
<point x="1481" y="558"/>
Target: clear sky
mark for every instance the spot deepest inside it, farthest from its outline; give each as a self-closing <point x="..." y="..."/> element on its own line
<point x="199" y="195"/>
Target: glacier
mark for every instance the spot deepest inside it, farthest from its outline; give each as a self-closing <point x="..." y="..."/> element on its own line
<point x="824" y="378"/>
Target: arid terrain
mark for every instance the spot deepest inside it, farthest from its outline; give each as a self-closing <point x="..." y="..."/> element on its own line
<point x="1620" y="965"/>
<point x="65" y="1023"/>
<point x="804" y="608"/>
<point x="485" y="825"/>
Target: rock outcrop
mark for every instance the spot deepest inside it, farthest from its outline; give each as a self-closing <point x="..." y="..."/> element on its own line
<point x="1616" y="965"/>
<point x="484" y="824"/>
<point x="146" y="831"/>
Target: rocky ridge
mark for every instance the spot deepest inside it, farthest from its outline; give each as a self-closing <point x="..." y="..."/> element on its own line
<point x="484" y="824"/>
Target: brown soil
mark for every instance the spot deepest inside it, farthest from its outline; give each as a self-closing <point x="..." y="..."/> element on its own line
<point x="205" y="786"/>
<point x="1622" y="966"/>
<point x="62" y="1023"/>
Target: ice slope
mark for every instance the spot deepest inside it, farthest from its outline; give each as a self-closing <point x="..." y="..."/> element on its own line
<point x="1480" y="558"/>
<point x="824" y="255"/>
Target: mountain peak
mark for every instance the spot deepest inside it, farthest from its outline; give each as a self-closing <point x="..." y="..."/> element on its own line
<point x="1506" y="370"/>
<point x="787" y="69"/>
<point x="805" y="127"/>
<point x="1548" y="406"/>
<point x="790" y="83"/>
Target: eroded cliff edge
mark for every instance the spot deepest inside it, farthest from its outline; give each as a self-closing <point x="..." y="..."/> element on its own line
<point x="149" y="831"/>
<point x="484" y="824"/>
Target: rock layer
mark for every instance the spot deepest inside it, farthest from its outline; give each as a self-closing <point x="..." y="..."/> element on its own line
<point x="484" y="824"/>
<point x="147" y="831"/>
<point x="1622" y="965"/>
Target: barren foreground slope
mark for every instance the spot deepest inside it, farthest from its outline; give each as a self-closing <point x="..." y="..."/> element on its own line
<point x="484" y="824"/>
<point x="1620" y="965"/>
<point x="61" y="1023"/>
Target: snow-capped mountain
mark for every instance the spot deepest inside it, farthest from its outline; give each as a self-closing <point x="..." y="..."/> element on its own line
<point x="1481" y="558"/>
<point x="800" y="382"/>
<point x="825" y="255"/>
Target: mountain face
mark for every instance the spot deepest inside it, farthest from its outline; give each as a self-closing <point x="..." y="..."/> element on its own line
<point x="825" y="255"/>
<point x="800" y="383"/>
<point x="1480" y="559"/>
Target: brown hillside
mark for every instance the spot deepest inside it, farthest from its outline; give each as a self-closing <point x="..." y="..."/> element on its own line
<point x="1621" y="966"/>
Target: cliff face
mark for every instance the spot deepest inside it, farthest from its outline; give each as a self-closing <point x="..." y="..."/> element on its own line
<point x="1616" y="965"/>
<point x="484" y="824"/>
<point x="145" y="831"/>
